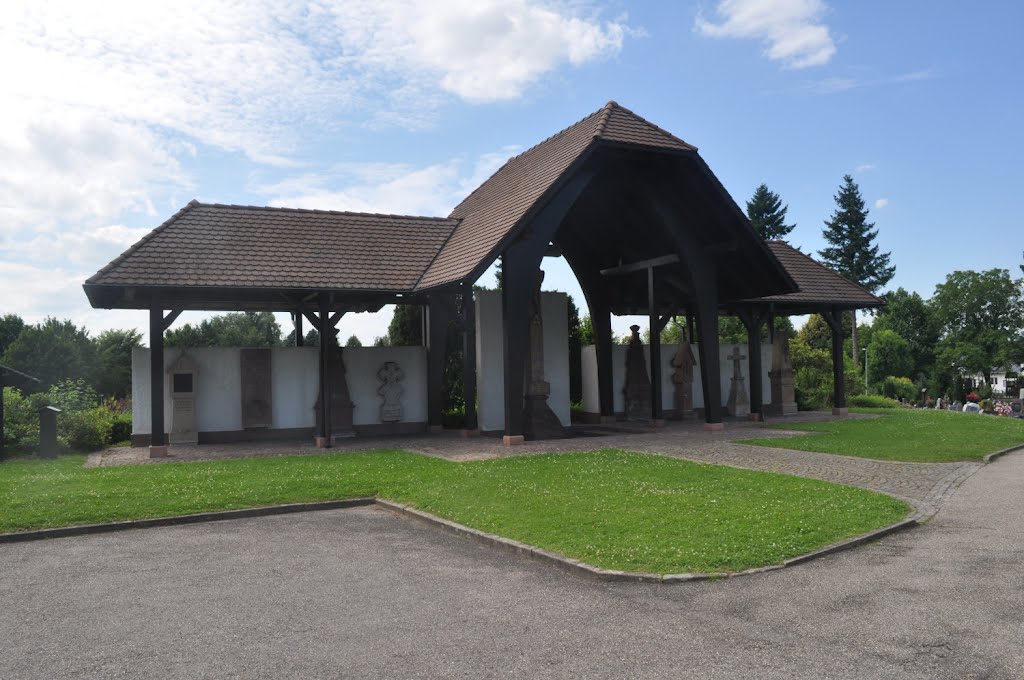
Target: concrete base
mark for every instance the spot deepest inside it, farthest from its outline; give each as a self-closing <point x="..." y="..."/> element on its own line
<point x="470" y="433"/>
<point x="658" y="422"/>
<point x="159" y="451"/>
<point x="323" y="442"/>
<point x="755" y="417"/>
<point x="512" y="439"/>
<point x="607" y="420"/>
<point x="714" y="427"/>
<point x="841" y="411"/>
<point x="435" y="429"/>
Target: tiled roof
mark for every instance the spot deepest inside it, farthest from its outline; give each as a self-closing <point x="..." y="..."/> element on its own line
<point x="491" y="212"/>
<point x="240" y="246"/>
<point x="817" y="283"/>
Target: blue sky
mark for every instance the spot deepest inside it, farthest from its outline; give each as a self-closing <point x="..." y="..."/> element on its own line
<point x="119" y="113"/>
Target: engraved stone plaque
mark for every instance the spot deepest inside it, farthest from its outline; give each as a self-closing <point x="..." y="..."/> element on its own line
<point x="257" y="411"/>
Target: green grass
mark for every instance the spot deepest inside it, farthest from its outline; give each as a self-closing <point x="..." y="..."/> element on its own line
<point x="918" y="435"/>
<point x="609" y="508"/>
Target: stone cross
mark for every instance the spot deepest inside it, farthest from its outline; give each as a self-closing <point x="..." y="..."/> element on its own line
<point x="390" y="374"/>
<point x="736" y="358"/>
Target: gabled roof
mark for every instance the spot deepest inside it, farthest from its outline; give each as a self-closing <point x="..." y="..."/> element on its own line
<point x="818" y="284"/>
<point x="233" y="246"/>
<point x="491" y="213"/>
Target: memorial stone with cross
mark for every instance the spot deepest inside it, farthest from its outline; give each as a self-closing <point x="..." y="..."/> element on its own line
<point x="739" y="402"/>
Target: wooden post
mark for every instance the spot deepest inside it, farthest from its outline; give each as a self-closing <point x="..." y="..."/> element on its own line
<point x="469" y="358"/>
<point x="436" y="337"/>
<point x="300" y="340"/>
<point x="323" y="438"/>
<point x="753" y="319"/>
<point x="707" y="328"/>
<point x="655" y="349"/>
<point x="834" y="318"/>
<point x="157" y="438"/>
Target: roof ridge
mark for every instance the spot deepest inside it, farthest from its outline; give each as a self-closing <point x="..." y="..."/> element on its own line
<point x="606" y="113"/>
<point x="526" y="151"/>
<point x="645" y="122"/>
<point x="317" y="211"/>
<point x="142" y="241"/>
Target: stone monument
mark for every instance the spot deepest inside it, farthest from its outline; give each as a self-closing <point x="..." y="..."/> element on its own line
<point x="781" y="378"/>
<point x="682" y="378"/>
<point x="539" y="421"/>
<point x="637" y="390"/>
<point x="184" y="376"/>
<point x="391" y="390"/>
<point x="257" y="393"/>
<point x="341" y="404"/>
<point x="739" y="402"/>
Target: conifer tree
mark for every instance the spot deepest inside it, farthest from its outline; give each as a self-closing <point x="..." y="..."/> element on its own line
<point x="852" y="251"/>
<point x="768" y="215"/>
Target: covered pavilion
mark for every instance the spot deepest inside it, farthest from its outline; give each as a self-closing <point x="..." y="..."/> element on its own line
<point x="636" y="212"/>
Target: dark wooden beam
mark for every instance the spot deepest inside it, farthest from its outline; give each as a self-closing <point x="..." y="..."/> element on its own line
<point x="753" y="318"/>
<point x="325" y="371"/>
<point x="640" y="266"/>
<point x="834" y="319"/>
<point x="170" y="318"/>
<point x="469" y="357"/>
<point x="300" y="338"/>
<point x="436" y="337"/>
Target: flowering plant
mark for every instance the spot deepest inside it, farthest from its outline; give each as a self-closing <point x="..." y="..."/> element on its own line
<point x="972" y="397"/>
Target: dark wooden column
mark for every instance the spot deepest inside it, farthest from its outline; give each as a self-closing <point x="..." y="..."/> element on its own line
<point x="323" y="437"/>
<point x="158" y="323"/>
<point x="707" y="329"/>
<point x="300" y="339"/>
<point x="600" y="318"/>
<point x="655" y="349"/>
<point x="834" y="319"/>
<point x="436" y="337"/>
<point x="753" y="318"/>
<point x="469" y="357"/>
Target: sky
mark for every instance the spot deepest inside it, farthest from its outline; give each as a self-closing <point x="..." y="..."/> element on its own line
<point x="113" y="115"/>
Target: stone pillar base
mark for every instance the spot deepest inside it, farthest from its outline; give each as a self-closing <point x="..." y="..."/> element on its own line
<point x="658" y="422"/>
<point x="755" y="417"/>
<point x="470" y="433"/>
<point x="158" y="451"/>
<point x="841" y="411"/>
<point x="323" y="442"/>
<point x="435" y="429"/>
<point x="714" y="427"/>
<point x="513" y="439"/>
<point x="608" y="420"/>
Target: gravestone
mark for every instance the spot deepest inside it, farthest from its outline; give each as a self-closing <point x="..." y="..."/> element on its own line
<point x="257" y="405"/>
<point x="781" y="378"/>
<point x="539" y="421"/>
<point x="971" y="407"/>
<point x="1017" y="409"/>
<point x="391" y="392"/>
<point x="682" y="378"/>
<point x="739" y="402"/>
<point x="341" y="403"/>
<point x="956" y="406"/>
<point x="184" y="381"/>
<point x="637" y="390"/>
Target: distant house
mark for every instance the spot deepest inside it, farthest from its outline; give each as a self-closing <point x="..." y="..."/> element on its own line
<point x="1004" y="381"/>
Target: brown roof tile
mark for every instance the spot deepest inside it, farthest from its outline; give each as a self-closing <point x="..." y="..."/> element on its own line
<point x="817" y="283"/>
<point x="489" y="214"/>
<point x="233" y="246"/>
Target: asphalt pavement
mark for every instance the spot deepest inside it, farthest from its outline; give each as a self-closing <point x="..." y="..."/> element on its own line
<point x="365" y="593"/>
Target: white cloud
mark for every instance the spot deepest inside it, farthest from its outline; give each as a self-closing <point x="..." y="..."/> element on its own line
<point x="864" y="167"/>
<point x="386" y="188"/>
<point x="881" y="203"/>
<point x="791" y="30"/>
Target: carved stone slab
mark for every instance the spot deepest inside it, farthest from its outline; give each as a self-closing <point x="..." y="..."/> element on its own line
<point x="781" y="377"/>
<point x="637" y="391"/>
<point x="257" y="404"/>
<point x="682" y="378"/>
<point x="391" y="375"/>
<point x="739" y="402"/>
<point x="341" y="402"/>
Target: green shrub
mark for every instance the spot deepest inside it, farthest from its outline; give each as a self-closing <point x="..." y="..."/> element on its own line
<point x="899" y="388"/>
<point x="121" y="430"/>
<point x="87" y="430"/>
<point x="21" y="419"/>
<point x="873" y="401"/>
<point x="72" y="395"/>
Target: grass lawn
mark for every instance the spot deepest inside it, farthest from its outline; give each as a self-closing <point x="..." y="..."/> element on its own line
<point x="609" y="508"/>
<point x="906" y="434"/>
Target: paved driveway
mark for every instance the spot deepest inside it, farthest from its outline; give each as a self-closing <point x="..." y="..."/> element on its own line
<point x="363" y="593"/>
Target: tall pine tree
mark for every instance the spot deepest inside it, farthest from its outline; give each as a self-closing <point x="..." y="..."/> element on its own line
<point x="768" y="215"/>
<point x="852" y="251"/>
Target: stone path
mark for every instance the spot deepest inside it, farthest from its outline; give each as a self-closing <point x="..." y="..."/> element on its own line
<point x="924" y="485"/>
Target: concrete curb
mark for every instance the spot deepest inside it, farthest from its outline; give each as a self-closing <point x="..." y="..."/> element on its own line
<point x="589" y="571"/>
<point x="85" y="529"/>
<point x="999" y="454"/>
<point x="561" y="562"/>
